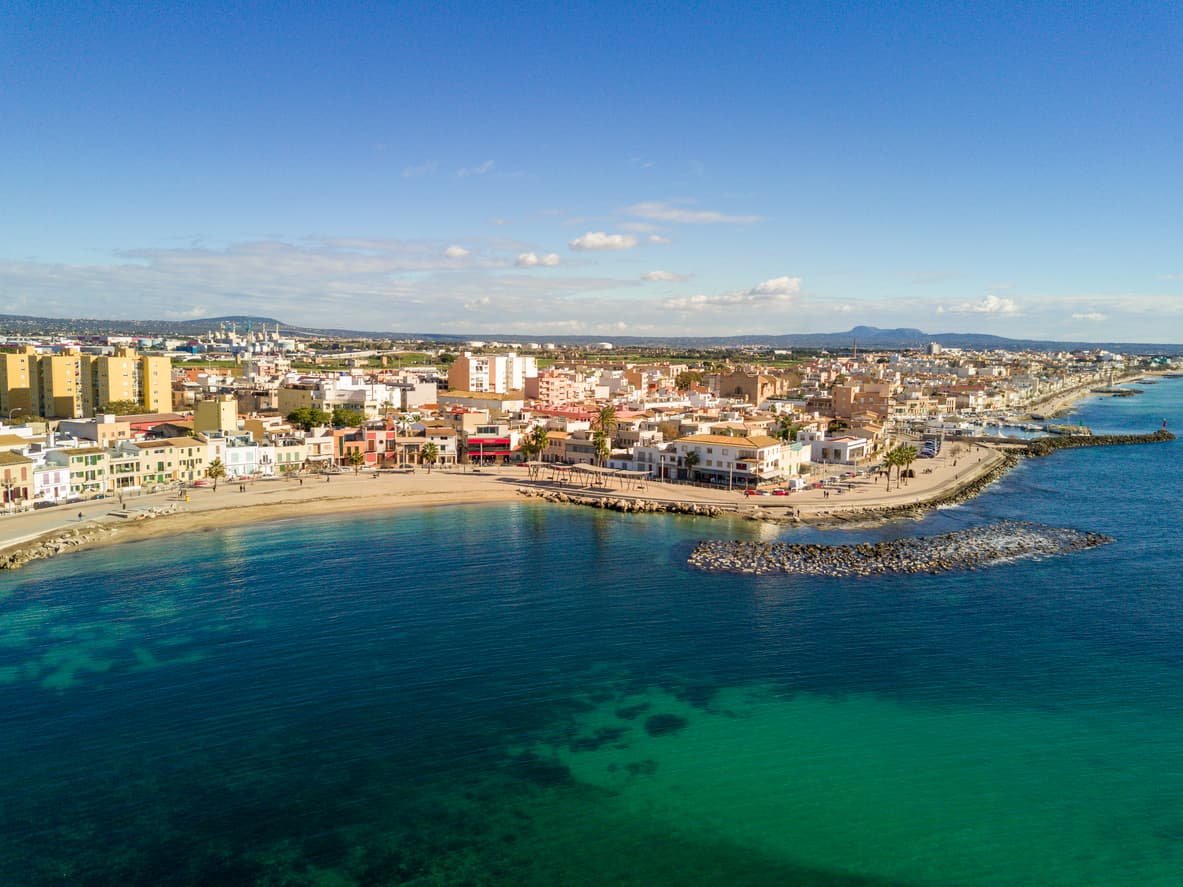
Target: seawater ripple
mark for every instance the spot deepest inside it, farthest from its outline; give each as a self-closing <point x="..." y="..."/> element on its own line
<point x="960" y="550"/>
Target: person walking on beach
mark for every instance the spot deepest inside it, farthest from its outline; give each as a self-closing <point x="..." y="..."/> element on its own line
<point x="80" y="517"/>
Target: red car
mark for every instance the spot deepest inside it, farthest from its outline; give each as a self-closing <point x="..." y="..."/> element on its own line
<point x="780" y="492"/>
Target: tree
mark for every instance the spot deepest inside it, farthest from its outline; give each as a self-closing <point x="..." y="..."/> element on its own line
<point x="429" y="454"/>
<point x="890" y="460"/>
<point x="534" y="442"/>
<point x="606" y="421"/>
<point x="122" y="407"/>
<point x="539" y="438"/>
<point x="214" y="471"/>
<point x="687" y="379"/>
<point x="356" y="459"/>
<point x="344" y="417"/>
<point x="691" y="462"/>
<point x="604" y="424"/>
<point x="786" y="429"/>
<point x="898" y="457"/>
<point x="603" y="448"/>
<point x="308" y="418"/>
<point x="908" y="455"/>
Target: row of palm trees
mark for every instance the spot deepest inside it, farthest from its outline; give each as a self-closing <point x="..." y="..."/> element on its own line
<point x="899" y="457"/>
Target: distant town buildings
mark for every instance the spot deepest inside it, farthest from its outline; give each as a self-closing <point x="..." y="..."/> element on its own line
<point x="270" y="405"/>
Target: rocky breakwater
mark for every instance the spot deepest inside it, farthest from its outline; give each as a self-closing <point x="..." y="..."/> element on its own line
<point x="1044" y="446"/>
<point x="624" y="504"/>
<point x="72" y="539"/>
<point x="959" y="551"/>
<point x="48" y="546"/>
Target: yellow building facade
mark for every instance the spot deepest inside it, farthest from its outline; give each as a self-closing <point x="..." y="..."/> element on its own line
<point x="16" y="373"/>
<point x="71" y="385"/>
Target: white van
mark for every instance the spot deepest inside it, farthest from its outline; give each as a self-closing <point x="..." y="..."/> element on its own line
<point x="796" y="484"/>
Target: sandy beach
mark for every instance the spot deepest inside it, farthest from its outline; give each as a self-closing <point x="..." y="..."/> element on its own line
<point x="234" y="504"/>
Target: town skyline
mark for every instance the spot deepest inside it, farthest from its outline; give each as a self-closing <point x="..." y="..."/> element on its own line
<point x="1007" y="170"/>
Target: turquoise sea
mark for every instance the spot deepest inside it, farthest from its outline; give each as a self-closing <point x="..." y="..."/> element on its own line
<point x="532" y="694"/>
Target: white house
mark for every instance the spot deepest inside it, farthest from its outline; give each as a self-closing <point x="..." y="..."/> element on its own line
<point x="51" y="483"/>
<point x="736" y="461"/>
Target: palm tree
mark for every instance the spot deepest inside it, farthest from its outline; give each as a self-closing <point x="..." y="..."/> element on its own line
<point x="539" y="438"/>
<point x="357" y="459"/>
<point x="908" y="455"/>
<point x="890" y="460"/>
<point x="786" y="429"/>
<point x="606" y="422"/>
<point x="690" y="461"/>
<point x="898" y="457"/>
<point x="603" y="448"/>
<point x="214" y="471"/>
<point x="429" y="454"/>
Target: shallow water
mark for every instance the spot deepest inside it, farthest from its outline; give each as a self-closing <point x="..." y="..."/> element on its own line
<point x="529" y="694"/>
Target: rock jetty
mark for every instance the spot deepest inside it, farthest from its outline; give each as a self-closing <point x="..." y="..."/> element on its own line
<point x="1044" y="446"/>
<point x="958" y="551"/>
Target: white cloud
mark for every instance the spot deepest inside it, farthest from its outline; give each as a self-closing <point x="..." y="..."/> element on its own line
<point x="777" y="292"/>
<point x="456" y="252"/>
<point x="657" y="240"/>
<point x="531" y="260"/>
<point x="638" y="227"/>
<point x="664" y="275"/>
<point x="1091" y="316"/>
<point x="420" y="170"/>
<point x="466" y="171"/>
<point x="600" y="240"/>
<point x="663" y="212"/>
<point x="989" y="305"/>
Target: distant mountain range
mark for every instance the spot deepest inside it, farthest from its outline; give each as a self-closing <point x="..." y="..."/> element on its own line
<point x="863" y="336"/>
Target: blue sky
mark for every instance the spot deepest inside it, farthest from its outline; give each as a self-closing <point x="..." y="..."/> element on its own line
<point x="602" y="169"/>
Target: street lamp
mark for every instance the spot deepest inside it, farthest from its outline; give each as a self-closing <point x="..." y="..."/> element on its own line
<point x="14" y="410"/>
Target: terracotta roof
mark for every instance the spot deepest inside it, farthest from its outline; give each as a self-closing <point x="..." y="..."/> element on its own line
<point x="10" y="458"/>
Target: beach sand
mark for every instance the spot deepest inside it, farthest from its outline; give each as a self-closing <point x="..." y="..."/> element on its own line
<point x="234" y="504"/>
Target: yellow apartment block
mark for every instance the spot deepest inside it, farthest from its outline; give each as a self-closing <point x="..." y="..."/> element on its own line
<point x="16" y="397"/>
<point x="73" y="385"/>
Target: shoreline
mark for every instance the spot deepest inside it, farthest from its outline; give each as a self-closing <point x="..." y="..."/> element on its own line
<point x="963" y="472"/>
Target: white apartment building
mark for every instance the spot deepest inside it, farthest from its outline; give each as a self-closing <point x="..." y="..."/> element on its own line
<point x="241" y="455"/>
<point x="495" y="373"/>
<point x="737" y="461"/>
